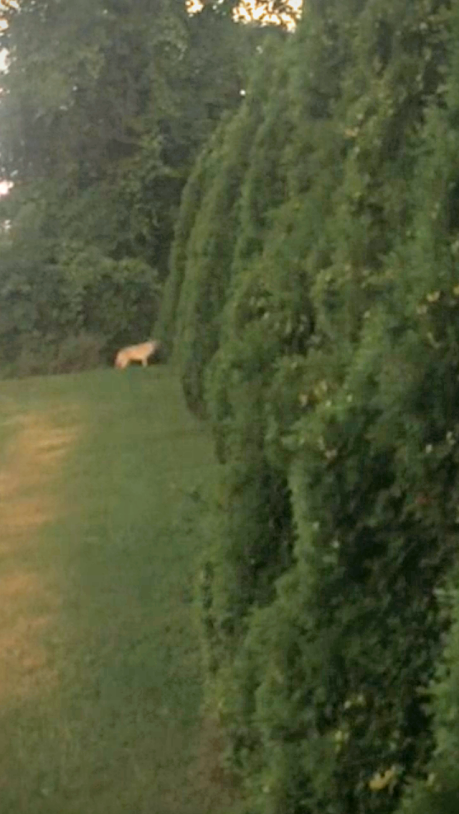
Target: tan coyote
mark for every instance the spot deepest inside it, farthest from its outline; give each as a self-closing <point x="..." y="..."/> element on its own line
<point x="136" y="353"/>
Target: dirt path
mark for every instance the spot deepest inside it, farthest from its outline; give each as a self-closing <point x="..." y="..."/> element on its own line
<point x="27" y="604"/>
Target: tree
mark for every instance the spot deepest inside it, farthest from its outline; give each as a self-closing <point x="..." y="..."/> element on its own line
<point x="331" y="390"/>
<point x="208" y="270"/>
<point x="205" y="168"/>
<point x="104" y="108"/>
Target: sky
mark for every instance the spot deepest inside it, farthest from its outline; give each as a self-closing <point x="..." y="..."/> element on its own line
<point x="247" y="10"/>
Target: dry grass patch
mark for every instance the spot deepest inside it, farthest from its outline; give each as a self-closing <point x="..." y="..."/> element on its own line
<point x="31" y="460"/>
<point x="27" y="606"/>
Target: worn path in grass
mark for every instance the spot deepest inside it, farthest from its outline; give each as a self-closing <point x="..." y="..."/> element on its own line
<point x="99" y="664"/>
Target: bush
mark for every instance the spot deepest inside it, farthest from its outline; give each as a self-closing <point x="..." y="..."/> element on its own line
<point x="33" y="360"/>
<point x="209" y="264"/>
<point x="83" y="351"/>
<point x="48" y="355"/>
<point x="198" y="182"/>
<point x="333" y="392"/>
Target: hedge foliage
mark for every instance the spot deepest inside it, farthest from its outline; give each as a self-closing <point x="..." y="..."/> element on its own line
<point x="318" y="327"/>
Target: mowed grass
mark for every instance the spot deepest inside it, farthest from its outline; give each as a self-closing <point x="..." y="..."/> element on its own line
<point x="100" y="686"/>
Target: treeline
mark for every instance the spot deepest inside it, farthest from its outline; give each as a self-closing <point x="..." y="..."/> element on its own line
<point x="104" y="106"/>
<point x="313" y="306"/>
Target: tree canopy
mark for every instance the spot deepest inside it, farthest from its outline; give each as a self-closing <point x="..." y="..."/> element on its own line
<point x="104" y="106"/>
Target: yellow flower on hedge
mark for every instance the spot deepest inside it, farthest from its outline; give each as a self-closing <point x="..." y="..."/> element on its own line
<point x="380" y="781"/>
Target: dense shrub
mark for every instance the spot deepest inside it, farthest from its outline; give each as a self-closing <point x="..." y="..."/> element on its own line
<point x="330" y="360"/>
<point x="204" y="171"/>
<point x="44" y="355"/>
<point x="57" y="296"/>
<point x="80" y="352"/>
<point x="209" y="257"/>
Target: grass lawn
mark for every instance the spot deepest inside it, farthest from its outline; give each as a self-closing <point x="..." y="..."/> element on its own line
<point x="99" y="666"/>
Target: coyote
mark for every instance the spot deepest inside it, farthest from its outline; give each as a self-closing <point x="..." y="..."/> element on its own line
<point x="136" y="353"/>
